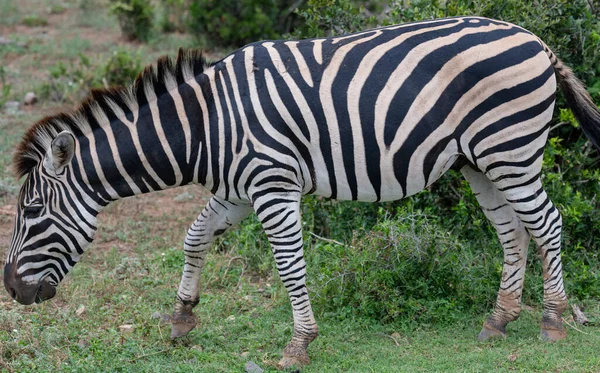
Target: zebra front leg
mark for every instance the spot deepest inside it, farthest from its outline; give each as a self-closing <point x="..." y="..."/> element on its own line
<point x="279" y="214"/>
<point x="515" y="241"/>
<point x="215" y="219"/>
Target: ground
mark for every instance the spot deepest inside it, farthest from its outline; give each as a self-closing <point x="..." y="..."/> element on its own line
<point x="102" y="317"/>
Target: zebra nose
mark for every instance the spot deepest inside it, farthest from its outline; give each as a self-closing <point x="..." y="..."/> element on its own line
<point x="8" y="275"/>
<point x="12" y="292"/>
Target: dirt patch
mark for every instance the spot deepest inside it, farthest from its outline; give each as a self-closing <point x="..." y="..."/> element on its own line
<point x="161" y="213"/>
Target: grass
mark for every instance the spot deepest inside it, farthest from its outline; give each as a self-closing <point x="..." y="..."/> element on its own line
<point x="241" y="324"/>
<point x="133" y="270"/>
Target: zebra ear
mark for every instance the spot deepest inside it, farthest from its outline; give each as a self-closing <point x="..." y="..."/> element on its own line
<point x="60" y="153"/>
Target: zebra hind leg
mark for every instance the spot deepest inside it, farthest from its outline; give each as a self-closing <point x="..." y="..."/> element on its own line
<point x="279" y="214"/>
<point x="544" y="222"/>
<point x="515" y="241"/>
<point x="215" y="219"/>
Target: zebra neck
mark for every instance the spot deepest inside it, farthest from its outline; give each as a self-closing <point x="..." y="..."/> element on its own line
<point x="156" y="147"/>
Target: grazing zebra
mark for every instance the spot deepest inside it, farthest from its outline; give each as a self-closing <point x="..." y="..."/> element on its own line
<point x="372" y="116"/>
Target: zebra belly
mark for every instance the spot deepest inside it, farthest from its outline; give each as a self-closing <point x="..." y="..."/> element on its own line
<point x="394" y="182"/>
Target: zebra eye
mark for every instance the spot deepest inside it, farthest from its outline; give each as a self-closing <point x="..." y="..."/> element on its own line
<point x="32" y="212"/>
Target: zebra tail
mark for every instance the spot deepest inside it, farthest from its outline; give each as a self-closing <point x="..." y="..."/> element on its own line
<point x="578" y="98"/>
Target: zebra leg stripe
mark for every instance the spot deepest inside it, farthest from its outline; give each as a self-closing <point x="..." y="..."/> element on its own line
<point x="544" y="222"/>
<point x="215" y="219"/>
<point x="515" y="241"/>
<point x="279" y="214"/>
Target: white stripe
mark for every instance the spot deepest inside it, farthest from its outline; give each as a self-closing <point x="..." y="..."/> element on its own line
<point x="154" y="109"/>
<point x="304" y="70"/>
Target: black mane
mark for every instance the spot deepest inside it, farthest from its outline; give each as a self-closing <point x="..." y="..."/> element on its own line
<point x="37" y="139"/>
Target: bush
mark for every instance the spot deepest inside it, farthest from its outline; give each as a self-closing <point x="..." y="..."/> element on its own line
<point x="72" y="82"/>
<point x="135" y="18"/>
<point x="34" y="20"/>
<point x="238" y="22"/>
<point x="406" y="267"/>
<point x="173" y="15"/>
<point x="324" y="18"/>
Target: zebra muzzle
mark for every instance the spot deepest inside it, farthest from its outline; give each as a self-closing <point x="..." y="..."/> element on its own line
<point x="26" y="293"/>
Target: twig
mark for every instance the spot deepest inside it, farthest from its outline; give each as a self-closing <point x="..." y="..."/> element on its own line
<point x="574" y="327"/>
<point x="390" y="337"/>
<point x="557" y="125"/>
<point x="244" y="261"/>
<point x="150" y="354"/>
<point x="327" y="239"/>
<point x="291" y="9"/>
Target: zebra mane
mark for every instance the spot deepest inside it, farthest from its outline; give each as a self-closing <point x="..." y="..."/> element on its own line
<point x="166" y="76"/>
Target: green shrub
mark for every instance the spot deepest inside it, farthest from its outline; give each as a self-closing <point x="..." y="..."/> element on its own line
<point x="135" y="17"/>
<point x="34" y="20"/>
<point x="238" y="22"/>
<point x="72" y="82"/>
<point x="173" y="15"/>
<point x="119" y="69"/>
<point x="406" y="267"/>
<point x="332" y="17"/>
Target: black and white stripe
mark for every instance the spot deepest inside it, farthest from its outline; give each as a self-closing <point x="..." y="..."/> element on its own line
<point x="373" y="116"/>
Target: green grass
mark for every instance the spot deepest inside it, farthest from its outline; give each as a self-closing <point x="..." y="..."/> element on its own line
<point x="238" y="325"/>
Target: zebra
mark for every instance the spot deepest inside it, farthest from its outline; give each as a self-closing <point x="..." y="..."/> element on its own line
<point x="377" y="115"/>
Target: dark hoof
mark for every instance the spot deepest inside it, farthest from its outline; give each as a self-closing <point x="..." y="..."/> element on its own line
<point x="294" y="357"/>
<point x="181" y="325"/>
<point x="289" y="362"/>
<point x="552" y="331"/>
<point x="491" y="332"/>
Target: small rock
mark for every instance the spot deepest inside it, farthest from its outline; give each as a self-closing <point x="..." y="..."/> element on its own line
<point x="163" y="317"/>
<point x="80" y="311"/>
<point x="578" y="315"/>
<point x="30" y="98"/>
<point x="126" y="329"/>
<point x="251" y="367"/>
<point x="185" y="196"/>
<point x="12" y="107"/>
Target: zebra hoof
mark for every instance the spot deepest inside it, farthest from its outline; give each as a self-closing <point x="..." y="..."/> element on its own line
<point x="553" y="331"/>
<point x="491" y="332"/>
<point x="293" y="358"/>
<point x="181" y="325"/>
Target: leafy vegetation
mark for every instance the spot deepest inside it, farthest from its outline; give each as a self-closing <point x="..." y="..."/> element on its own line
<point x="235" y="22"/>
<point x="72" y="82"/>
<point x="135" y="17"/>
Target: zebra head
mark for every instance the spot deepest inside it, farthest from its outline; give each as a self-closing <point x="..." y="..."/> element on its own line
<point x="52" y="226"/>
